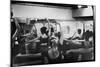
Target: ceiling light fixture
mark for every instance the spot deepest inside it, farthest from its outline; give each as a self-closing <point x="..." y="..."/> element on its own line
<point x="79" y="6"/>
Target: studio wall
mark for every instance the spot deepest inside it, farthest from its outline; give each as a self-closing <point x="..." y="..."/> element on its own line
<point x="42" y="12"/>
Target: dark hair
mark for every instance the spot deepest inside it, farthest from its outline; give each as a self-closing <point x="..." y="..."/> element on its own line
<point x="43" y="30"/>
<point x="52" y="30"/>
<point x="58" y="35"/>
<point x="79" y="31"/>
<point x="88" y="34"/>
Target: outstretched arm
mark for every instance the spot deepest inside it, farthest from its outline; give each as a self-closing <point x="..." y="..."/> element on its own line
<point x="17" y="28"/>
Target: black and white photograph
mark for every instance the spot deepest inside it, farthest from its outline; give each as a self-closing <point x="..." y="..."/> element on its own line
<point x="51" y="33"/>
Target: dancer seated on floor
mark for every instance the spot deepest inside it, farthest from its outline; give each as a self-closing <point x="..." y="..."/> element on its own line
<point x="86" y="51"/>
<point x="76" y="36"/>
